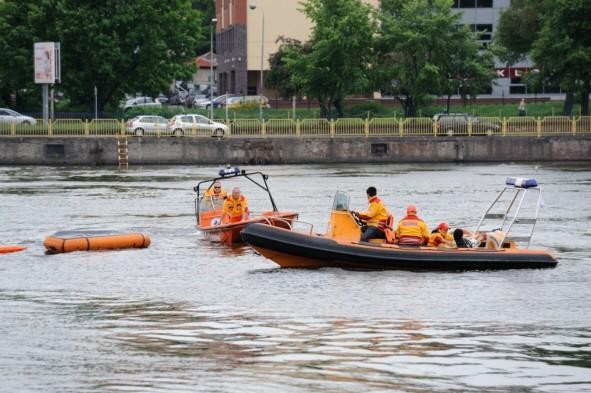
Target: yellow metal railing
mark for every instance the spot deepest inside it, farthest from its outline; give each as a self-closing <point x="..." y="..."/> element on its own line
<point x="316" y="127"/>
<point x="349" y="127"/>
<point x="417" y="126"/>
<point x="106" y="127"/>
<point x="384" y="126"/>
<point x="521" y="126"/>
<point x="281" y="127"/>
<point x="482" y="126"/>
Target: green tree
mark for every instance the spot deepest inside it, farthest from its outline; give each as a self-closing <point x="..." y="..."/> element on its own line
<point x="562" y="49"/>
<point x="465" y="69"/>
<point x="517" y="30"/>
<point x="119" y="47"/>
<point x="555" y="34"/>
<point x="279" y="77"/>
<point x="413" y="48"/>
<point x="340" y="51"/>
<point x="207" y="9"/>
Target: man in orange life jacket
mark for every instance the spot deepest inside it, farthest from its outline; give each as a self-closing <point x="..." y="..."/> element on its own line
<point x="215" y="191"/>
<point x="375" y="217"/>
<point x="235" y="207"/>
<point x="411" y="229"/>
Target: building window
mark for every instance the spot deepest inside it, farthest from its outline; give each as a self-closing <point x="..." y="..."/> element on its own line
<point x="518" y="89"/>
<point x="473" y="4"/>
<point x="484" y="3"/>
<point x="484" y="31"/>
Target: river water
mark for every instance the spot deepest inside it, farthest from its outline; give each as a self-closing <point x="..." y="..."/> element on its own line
<point x="188" y="315"/>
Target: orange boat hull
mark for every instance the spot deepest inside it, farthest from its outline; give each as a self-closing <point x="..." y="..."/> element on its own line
<point x="230" y="233"/>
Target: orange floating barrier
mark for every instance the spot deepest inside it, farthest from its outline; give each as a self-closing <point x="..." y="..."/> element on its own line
<point x="6" y="249"/>
<point x="94" y="240"/>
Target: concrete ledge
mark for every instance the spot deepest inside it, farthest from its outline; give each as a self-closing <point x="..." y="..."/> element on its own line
<point x="206" y="151"/>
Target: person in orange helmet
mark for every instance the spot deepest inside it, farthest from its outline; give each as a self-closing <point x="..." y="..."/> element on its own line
<point x="235" y="207"/>
<point x="440" y="237"/>
<point x="375" y="217"/>
<point x="411" y="229"/>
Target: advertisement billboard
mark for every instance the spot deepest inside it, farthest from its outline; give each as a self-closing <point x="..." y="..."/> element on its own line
<point x="47" y="62"/>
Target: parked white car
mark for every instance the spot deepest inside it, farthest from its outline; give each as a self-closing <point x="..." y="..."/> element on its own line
<point x="141" y="102"/>
<point x="10" y="116"/>
<point x="142" y="125"/>
<point x="186" y="124"/>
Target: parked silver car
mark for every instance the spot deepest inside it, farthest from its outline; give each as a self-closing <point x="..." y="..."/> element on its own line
<point x="457" y="124"/>
<point x="10" y="116"/>
<point x="141" y="125"/>
<point x="196" y="124"/>
<point x="141" y="102"/>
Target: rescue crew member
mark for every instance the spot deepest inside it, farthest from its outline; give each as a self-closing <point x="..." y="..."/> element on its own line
<point x="411" y="229"/>
<point x="375" y="217"/>
<point x="441" y="237"/>
<point x="235" y="207"/>
<point x="216" y="191"/>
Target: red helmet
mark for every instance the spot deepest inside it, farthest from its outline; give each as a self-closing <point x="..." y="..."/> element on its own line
<point x="443" y="226"/>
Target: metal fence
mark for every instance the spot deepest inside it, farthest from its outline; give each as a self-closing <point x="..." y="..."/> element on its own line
<point x="310" y="128"/>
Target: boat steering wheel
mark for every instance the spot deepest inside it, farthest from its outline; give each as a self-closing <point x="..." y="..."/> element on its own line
<point x="357" y="219"/>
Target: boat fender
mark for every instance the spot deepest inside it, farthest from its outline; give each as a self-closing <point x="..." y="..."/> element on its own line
<point x="521" y="182"/>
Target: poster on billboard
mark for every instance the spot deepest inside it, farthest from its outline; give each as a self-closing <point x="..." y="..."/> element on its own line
<point x="47" y="62"/>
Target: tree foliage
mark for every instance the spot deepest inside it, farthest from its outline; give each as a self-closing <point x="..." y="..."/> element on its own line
<point x="119" y="47"/>
<point x="336" y="63"/>
<point x="279" y="77"/>
<point x="557" y="36"/>
<point x="562" y="49"/>
<point x="422" y="50"/>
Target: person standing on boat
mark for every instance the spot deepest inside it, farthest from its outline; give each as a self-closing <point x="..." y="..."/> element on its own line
<point x="441" y="237"/>
<point x="216" y="191"/>
<point x="375" y="217"/>
<point x="235" y="207"/>
<point x="411" y="229"/>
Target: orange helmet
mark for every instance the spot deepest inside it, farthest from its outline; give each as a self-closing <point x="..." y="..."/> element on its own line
<point x="411" y="209"/>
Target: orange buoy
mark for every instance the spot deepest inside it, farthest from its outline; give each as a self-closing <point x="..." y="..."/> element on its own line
<point x="7" y="249"/>
<point x="94" y="240"/>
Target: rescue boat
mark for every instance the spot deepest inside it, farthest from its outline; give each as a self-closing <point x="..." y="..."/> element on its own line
<point x="68" y="241"/>
<point x="5" y="249"/>
<point x="340" y="246"/>
<point x="209" y="210"/>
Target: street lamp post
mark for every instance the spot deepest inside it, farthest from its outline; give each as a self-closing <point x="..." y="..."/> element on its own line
<point x="262" y="86"/>
<point x="212" y="28"/>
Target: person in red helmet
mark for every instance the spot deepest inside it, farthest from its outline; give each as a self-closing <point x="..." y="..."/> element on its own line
<point x="440" y="237"/>
<point x="411" y="229"/>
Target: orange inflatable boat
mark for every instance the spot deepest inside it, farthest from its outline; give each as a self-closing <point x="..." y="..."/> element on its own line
<point x="7" y="249"/>
<point x="69" y="241"/>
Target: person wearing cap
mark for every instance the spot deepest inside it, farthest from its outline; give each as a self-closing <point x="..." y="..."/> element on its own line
<point x="440" y="237"/>
<point x="235" y="207"/>
<point x="411" y="229"/>
<point x="375" y="217"/>
<point x="216" y="191"/>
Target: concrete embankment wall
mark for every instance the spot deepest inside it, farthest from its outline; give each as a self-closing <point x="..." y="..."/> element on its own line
<point x="236" y="151"/>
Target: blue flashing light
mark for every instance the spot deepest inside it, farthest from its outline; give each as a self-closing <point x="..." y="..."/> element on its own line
<point x="229" y="171"/>
<point x="521" y="182"/>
